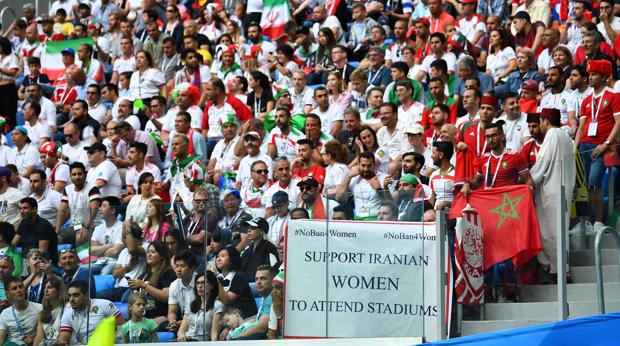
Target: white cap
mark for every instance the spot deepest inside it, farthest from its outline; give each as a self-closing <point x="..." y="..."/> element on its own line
<point x="414" y="129"/>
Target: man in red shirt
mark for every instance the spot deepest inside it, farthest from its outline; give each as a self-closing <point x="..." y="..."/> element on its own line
<point x="500" y="167"/>
<point x="436" y="89"/>
<point x="304" y="165"/>
<point x="439" y="18"/>
<point x="532" y="146"/>
<point x="599" y="124"/>
<point x="528" y="34"/>
<point x="471" y="134"/>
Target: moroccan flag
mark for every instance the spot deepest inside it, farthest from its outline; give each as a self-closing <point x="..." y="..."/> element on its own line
<point x="509" y="223"/>
<point x="468" y="253"/>
<point x="51" y="59"/>
<point x="332" y="7"/>
<point x="276" y="13"/>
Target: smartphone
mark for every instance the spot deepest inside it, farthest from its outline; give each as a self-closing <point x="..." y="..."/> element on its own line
<point x="128" y="278"/>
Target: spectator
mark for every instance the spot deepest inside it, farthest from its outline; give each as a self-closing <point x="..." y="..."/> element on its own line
<point x="98" y="309"/>
<point x="24" y="312"/>
<point x="202" y="321"/>
<point x="103" y="173"/>
<point x="53" y="306"/>
<point x="106" y="241"/>
<point x="233" y="288"/>
<point x="72" y="272"/>
<point x="181" y="292"/>
<point x="156" y="225"/>
<point x="48" y="200"/>
<point x="35" y="231"/>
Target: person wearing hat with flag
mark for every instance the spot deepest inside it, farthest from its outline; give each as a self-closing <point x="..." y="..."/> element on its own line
<point x="223" y="159"/>
<point x="229" y="68"/>
<point x="259" y="251"/>
<point x="24" y="155"/>
<point x="410" y="198"/>
<point x="599" y="126"/>
<point x="530" y="149"/>
<point x="554" y="170"/>
<point x="57" y="171"/>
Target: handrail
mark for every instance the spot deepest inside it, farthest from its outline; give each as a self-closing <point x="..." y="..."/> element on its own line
<point x="11" y="11"/>
<point x="599" y="265"/>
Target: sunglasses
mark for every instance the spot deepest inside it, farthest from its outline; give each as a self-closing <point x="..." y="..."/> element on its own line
<point x="305" y="188"/>
<point x="198" y="201"/>
<point x="261" y="171"/>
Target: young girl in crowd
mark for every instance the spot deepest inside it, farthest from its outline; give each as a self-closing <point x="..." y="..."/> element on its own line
<point x="138" y="329"/>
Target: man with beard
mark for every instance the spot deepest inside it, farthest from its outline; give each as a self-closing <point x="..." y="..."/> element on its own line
<point x="515" y="123"/>
<point x="311" y="199"/>
<point x="365" y="183"/>
<point x="558" y="96"/>
<point x="530" y="149"/>
<point x="554" y="170"/>
<point x="81" y="201"/>
<point x="581" y="89"/>
<point x="283" y="182"/>
<point x="442" y="179"/>
<point x="252" y="142"/>
<point x="194" y="74"/>
<point x="284" y="138"/>
<point x="352" y="123"/>
<point x="471" y="134"/>
<point x="73" y="332"/>
<point x="513" y="166"/>
<point x="305" y="164"/>
<point x="331" y="114"/>
<point x="58" y="175"/>
<point x="223" y="159"/>
<point x="34" y="231"/>
<point x="414" y="163"/>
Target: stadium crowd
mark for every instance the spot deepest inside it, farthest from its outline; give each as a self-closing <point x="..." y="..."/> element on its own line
<point x="170" y="143"/>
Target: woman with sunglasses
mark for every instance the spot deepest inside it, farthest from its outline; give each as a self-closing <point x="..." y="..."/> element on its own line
<point x="174" y="27"/>
<point x="202" y="321"/>
<point x="54" y="305"/>
<point x="136" y="209"/>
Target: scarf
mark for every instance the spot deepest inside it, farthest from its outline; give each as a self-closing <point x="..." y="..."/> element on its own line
<point x="179" y="165"/>
<point x="317" y="210"/>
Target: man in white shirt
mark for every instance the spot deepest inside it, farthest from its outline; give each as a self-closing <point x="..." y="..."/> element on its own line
<point x="471" y="103"/>
<point x="515" y="123"/>
<point x="301" y="95"/>
<point x="48" y="200"/>
<point x="550" y="40"/>
<point x="18" y="324"/>
<point x="278" y="223"/>
<point x="581" y="90"/>
<point x="24" y="155"/>
<point x="126" y="62"/>
<point x="48" y="109"/>
<point x="390" y="136"/>
<point x="331" y="114"/>
<point x="74" y="330"/>
<point x="106" y="241"/>
<point x="283" y="138"/>
<point x="322" y="20"/>
<point x="364" y="182"/>
<point x="252" y="141"/>
<point x="73" y="150"/>
<point x="609" y="24"/>
<point x="284" y="182"/>
<point x="96" y="109"/>
<point x="103" y="172"/>
<point x="438" y="47"/>
<point x="223" y="158"/>
<point x="558" y="96"/>
<point x="181" y="292"/>
<point x="38" y="130"/>
<point x="9" y="199"/>
<point x="139" y="166"/>
<point x="409" y="111"/>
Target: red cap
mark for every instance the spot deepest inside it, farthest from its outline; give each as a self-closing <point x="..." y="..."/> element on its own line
<point x="425" y="20"/>
<point x="469" y="1"/>
<point x="599" y="66"/>
<point x="533" y="117"/>
<point x="489" y="100"/>
<point x="550" y="113"/>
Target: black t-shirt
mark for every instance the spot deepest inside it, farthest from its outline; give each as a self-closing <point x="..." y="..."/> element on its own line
<point x="245" y="300"/>
<point x="32" y="232"/>
<point x="155" y="308"/>
<point x="260" y="103"/>
<point x="253" y="257"/>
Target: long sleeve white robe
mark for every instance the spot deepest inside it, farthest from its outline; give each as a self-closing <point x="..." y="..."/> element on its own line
<point x="554" y="168"/>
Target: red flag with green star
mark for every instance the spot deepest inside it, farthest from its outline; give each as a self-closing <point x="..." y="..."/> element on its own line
<point x="509" y="223"/>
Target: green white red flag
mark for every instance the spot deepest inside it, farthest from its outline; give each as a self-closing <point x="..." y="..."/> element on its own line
<point x="51" y="59"/>
<point x="276" y="13"/>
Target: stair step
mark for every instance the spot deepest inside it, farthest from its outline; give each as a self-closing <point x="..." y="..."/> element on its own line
<point x="587" y="274"/>
<point x="606" y="243"/>
<point x="576" y="292"/>
<point x="477" y="327"/>
<point x="581" y="258"/>
<point x="545" y="310"/>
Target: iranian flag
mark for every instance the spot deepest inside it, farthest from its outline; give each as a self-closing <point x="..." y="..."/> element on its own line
<point x="276" y="13"/>
<point x="51" y="59"/>
<point x="509" y="223"/>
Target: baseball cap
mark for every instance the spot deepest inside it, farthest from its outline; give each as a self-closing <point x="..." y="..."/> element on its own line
<point x="414" y="129"/>
<point x="50" y="148"/>
<point x="308" y="181"/>
<point x="278" y="198"/>
<point x="96" y="147"/>
<point x="252" y="134"/>
<point x="68" y="50"/>
<point x="258" y="222"/>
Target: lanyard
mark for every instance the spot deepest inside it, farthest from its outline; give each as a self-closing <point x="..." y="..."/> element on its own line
<point x="38" y="291"/>
<point x="166" y="63"/>
<point x="227" y="224"/>
<point x="370" y="80"/>
<point x="257" y="105"/>
<point x="598" y="108"/>
<point x="18" y="325"/>
<point x="484" y="148"/>
<point x="499" y="163"/>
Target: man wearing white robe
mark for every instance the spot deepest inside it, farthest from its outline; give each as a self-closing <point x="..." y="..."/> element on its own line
<point x="554" y="169"/>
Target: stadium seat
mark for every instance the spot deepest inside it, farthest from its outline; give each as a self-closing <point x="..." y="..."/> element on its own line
<point x="103" y="282"/>
<point x="63" y="247"/>
<point x="122" y="307"/>
<point x="258" y="301"/>
<point x="254" y="290"/>
<point x="165" y="336"/>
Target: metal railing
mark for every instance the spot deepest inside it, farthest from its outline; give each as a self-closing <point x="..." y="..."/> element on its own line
<point x="10" y="11"/>
<point x="599" y="264"/>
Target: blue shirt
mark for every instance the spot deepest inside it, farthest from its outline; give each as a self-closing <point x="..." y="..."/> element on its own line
<point x="380" y="78"/>
<point x="81" y="275"/>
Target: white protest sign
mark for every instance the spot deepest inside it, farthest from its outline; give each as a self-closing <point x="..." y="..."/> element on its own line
<point x="360" y="279"/>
